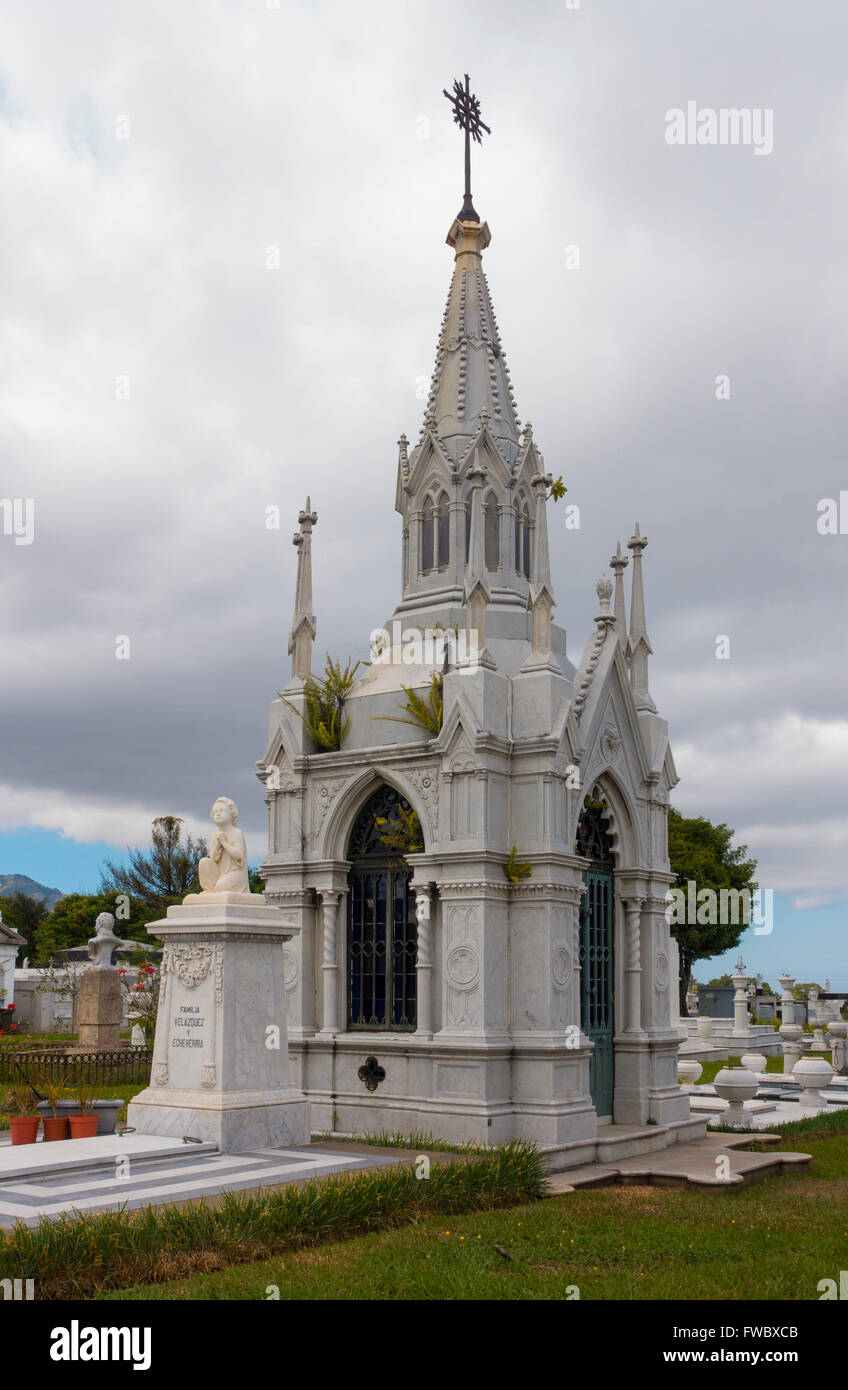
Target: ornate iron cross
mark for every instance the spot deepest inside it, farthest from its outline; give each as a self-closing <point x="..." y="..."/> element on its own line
<point x="466" y="113"/>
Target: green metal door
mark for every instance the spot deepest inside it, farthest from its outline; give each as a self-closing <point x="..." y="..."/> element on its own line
<point x="596" y="966"/>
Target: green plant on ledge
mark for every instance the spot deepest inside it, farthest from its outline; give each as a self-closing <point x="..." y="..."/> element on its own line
<point x="515" y="869"/>
<point x="422" y="711"/>
<point x="401" y="831"/>
<point x="325" y="696"/>
<point x="21" y="1100"/>
<point x="54" y="1088"/>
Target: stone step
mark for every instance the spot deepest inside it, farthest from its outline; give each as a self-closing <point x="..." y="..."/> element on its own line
<point x="615" y="1142"/>
<point x="685" y="1165"/>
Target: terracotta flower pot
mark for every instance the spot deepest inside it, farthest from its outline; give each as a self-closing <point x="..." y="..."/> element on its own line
<point x="24" y="1128"/>
<point x="83" y="1126"/>
<point x="55" y="1127"/>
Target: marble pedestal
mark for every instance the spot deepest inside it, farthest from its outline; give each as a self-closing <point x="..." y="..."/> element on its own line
<point x="220" y="1055"/>
<point x="100" y="1009"/>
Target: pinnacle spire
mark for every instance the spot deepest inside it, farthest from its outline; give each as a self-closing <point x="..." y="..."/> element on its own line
<point x="540" y="483"/>
<point x="304" y="626"/>
<point x="638" y="646"/>
<point x="477" y="595"/>
<point x="618" y="564"/>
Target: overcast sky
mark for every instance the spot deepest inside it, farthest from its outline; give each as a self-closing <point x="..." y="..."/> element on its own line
<point x="163" y="383"/>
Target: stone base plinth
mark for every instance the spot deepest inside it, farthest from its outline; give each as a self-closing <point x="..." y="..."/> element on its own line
<point x="220" y="1056"/>
<point x="234" y="1122"/>
<point x="100" y="1010"/>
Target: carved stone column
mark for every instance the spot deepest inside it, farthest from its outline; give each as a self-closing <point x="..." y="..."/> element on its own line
<point x="424" y="963"/>
<point x="330" y="966"/>
<point x="633" y="968"/>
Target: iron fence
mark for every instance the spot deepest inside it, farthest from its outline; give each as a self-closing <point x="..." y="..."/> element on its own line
<point x="123" y="1067"/>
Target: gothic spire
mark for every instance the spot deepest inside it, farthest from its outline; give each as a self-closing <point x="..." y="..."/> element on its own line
<point x="470" y="374"/>
<point x="303" y="623"/>
<point x="638" y="646"/>
<point x="541" y="482"/>
<point x="618" y="564"/>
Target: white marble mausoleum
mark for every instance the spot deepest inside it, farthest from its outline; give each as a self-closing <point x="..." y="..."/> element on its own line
<point x="439" y="994"/>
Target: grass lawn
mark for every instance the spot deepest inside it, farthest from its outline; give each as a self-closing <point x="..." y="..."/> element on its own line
<point x="774" y="1240"/>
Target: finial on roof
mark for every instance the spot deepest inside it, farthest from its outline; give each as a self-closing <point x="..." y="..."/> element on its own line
<point x="638" y="646"/>
<point x="466" y="114"/>
<point x="403" y="456"/>
<point x="476" y="596"/>
<point x="541" y="484"/>
<point x="618" y="564"/>
<point x="304" y="627"/>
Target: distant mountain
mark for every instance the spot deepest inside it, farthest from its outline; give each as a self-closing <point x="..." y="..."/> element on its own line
<point x="19" y="883"/>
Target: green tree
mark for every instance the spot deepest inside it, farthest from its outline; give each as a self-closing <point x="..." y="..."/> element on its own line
<point x="704" y="854"/>
<point x="24" y="914"/>
<point x="162" y="875"/>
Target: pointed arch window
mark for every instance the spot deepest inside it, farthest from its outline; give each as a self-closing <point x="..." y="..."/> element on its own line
<point x="442" y="532"/>
<point x="382" y="931"/>
<point x="435" y="533"/>
<point x="523" y="545"/>
<point x="428" y="540"/>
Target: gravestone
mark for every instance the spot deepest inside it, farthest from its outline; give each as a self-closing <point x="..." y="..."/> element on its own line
<point x="100" y="1000"/>
<point x="220" y="1054"/>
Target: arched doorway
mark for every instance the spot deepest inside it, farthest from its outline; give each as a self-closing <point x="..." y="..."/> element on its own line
<point x="382" y="932"/>
<point x="597" y="963"/>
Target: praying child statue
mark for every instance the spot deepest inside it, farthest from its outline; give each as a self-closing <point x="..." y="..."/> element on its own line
<point x="225" y="869"/>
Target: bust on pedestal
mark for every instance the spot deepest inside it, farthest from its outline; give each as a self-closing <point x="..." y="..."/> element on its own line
<point x="220" y="1054"/>
<point x="99" y="1003"/>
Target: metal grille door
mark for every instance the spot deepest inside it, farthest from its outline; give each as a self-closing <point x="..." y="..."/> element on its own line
<point x="596" y="982"/>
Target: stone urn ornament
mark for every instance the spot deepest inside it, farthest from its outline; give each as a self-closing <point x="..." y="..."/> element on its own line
<point x="736" y="1085"/>
<point x="839" y="1048"/>
<point x="705" y="1027"/>
<point x="754" y="1061"/>
<point x="791" y="1034"/>
<point x="813" y="1073"/>
<point x="688" y="1073"/>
